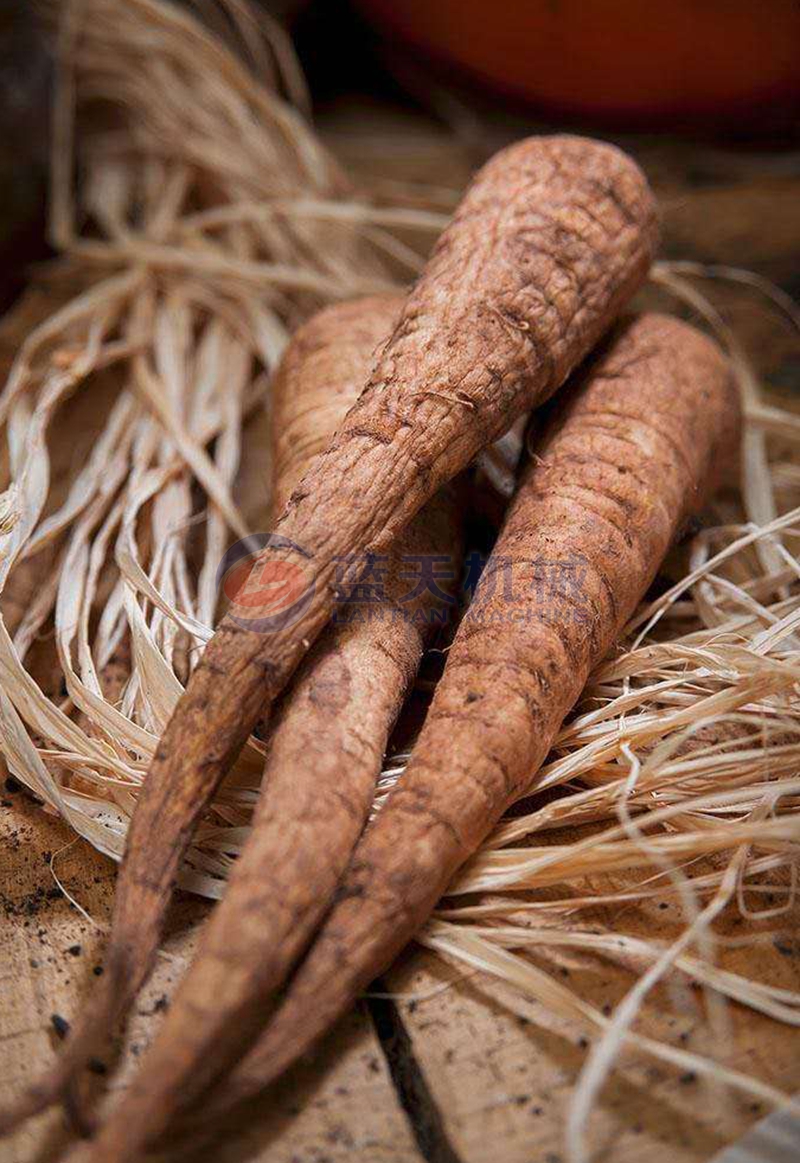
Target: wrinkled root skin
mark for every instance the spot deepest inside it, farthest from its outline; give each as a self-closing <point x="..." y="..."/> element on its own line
<point x="326" y="748"/>
<point x="550" y="241"/>
<point x="633" y="450"/>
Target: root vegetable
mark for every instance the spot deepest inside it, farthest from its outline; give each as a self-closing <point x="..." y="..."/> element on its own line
<point x="320" y="377"/>
<point x="631" y="453"/>
<point x="549" y="242"/>
<point x="327" y="743"/>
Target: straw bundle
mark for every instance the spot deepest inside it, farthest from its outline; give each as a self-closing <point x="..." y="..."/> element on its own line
<point x="199" y="222"/>
<point x="212" y="223"/>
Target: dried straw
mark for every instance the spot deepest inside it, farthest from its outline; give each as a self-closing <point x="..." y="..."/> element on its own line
<point x="199" y="221"/>
<point x="212" y="222"/>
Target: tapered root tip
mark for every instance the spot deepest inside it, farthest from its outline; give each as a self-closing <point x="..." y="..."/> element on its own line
<point x="27" y="1106"/>
<point x="60" y="1086"/>
<point x="60" y="1083"/>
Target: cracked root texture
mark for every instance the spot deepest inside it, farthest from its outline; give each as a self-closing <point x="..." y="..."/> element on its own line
<point x="633" y="450"/>
<point x="326" y="748"/>
<point x="550" y="240"/>
<point x="319" y="378"/>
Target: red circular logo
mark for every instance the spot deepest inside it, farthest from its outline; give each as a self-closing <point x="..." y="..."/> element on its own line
<point x="266" y="592"/>
<point x="270" y="586"/>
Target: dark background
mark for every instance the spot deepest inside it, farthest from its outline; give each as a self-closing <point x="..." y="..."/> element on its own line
<point x="729" y="183"/>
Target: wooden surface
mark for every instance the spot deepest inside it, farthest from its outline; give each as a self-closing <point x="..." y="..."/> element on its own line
<point x="342" y="1108"/>
<point x="502" y="1070"/>
<point x="469" y="1072"/>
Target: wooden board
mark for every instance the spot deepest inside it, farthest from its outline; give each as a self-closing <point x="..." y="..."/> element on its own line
<point x="496" y="1073"/>
<point x="502" y="1070"/>
<point x="339" y="1107"/>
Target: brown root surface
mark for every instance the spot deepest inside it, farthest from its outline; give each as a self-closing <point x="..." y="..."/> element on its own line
<point x="631" y="452"/>
<point x="326" y="745"/>
<point x="551" y="239"/>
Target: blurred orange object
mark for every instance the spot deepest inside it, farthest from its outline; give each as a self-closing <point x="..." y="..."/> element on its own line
<point x="726" y="62"/>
